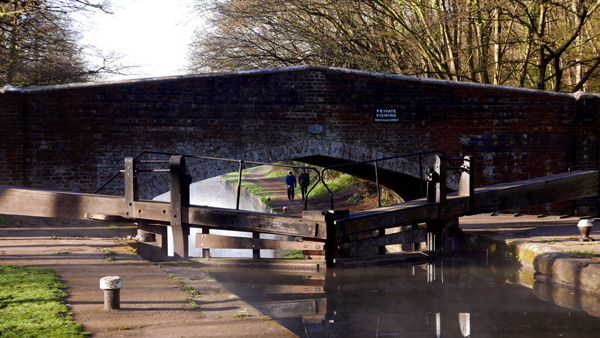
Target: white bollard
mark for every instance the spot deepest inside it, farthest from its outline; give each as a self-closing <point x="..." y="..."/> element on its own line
<point x="111" y="286"/>
<point x="585" y="228"/>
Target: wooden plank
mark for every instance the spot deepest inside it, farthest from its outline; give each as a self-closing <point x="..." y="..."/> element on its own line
<point x="456" y="205"/>
<point x="209" y="241"/>
<point x="152" y="211"/>
<point x="405" y="237"/>
<point x="250" y="290"/>
<point x="554" y="188"/>
<point x="385" y="217"/>
<point x="59" y="204"/>
<point x="314" y="215"/>
<point x="301" y="289"/>
<point x="229" y="219"/>
<point x="247" y="221"/>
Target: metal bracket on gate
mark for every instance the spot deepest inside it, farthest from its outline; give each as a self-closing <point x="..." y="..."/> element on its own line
<point x="131" y="187"/>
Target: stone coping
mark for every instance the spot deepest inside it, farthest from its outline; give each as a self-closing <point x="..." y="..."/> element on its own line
<point x="576" y="96"/>
<point x="549" y="248"/>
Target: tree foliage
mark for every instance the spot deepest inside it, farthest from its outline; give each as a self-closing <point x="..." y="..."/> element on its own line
<point x="39" y="46"/>
<point x="543" y="44"/>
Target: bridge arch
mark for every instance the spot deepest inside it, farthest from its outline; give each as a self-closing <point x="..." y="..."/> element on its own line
<point x="401" y="176"/>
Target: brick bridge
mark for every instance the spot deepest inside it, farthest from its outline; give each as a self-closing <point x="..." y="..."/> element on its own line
<point x="74" y="137"/>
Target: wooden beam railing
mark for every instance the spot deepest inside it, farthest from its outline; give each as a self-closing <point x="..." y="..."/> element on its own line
<point x="336" y="229"/>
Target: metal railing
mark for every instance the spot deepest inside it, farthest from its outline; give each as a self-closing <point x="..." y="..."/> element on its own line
<point x="241" y="168"/>
<point x="375" y="161"/>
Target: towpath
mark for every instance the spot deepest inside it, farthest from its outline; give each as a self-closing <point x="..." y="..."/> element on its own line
<point x="277" y="187"/>
<point x="153" y="300"/>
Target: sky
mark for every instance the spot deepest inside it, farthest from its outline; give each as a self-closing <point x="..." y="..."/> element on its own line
<point x="153" y="34"/>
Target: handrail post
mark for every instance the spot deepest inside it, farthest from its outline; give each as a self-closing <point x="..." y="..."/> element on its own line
<point x="326" y="187"/>
<point x="377" y="183"/>
<point x="421" y="174"/>
<point x="131" y="187"/>
<point x="466" y="185"/>
<point x="239" y="189"/>
<point x="440" y="185"/>
<point x="180" y="201"/>
<point x="311" y="188"/>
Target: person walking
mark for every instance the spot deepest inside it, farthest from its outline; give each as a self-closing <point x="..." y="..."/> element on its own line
<point x="304" y="181"/>
<point x="290" y="180"/>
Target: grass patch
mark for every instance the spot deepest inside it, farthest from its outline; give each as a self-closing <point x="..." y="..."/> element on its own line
<point x="108" y="252"/>
<point x="110" y="255"/>
<point x="339" y="183"/>
<point x="232" y="179"/>
<point x="293" y="254"/>
<point x="191" y="291"/>
<point x="194" y="305"/>
<point x="273" y="172"/>
<point x="31" y="304"/>
<point x="62" y="252"/>
<point x="244" y="315"/>
<point x="587" y="253"/>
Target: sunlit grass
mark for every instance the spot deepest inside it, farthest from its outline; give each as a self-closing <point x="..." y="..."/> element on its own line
<point x="294" y="254"/>
<point x="339" y="183"/>
<point x="232" y="179"/>
<point x="31" y="304"/>
<point x="244" y="315"/>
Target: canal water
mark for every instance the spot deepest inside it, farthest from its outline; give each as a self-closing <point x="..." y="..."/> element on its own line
<point x="213" y="192"/>
<point x="452" y="297"/>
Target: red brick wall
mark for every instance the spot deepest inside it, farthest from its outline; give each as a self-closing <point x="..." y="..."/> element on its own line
<point x="11" y="139"/>
<point x="75" y="137"/>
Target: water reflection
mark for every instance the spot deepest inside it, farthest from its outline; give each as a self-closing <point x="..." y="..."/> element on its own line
<point x="213" y="192"/>
<point x="450" y="298"/>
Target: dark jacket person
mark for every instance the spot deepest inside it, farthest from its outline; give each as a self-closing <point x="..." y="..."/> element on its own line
<point x="290" y="181"/>
<point x="304" y="181"/>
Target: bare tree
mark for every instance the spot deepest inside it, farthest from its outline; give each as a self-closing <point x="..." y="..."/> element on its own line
<point x="39" y="46"/>
<point x="535" y="43"/>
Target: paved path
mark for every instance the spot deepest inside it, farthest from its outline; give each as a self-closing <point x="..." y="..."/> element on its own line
<point x="277" y="187"/>
<point x="561" y="234"/>
<point x="153" y="302"/>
